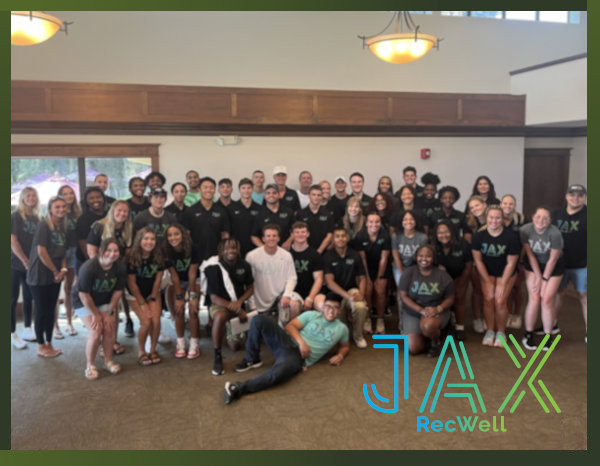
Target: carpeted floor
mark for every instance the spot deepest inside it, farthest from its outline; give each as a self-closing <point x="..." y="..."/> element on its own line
<point x="178" y="404"/>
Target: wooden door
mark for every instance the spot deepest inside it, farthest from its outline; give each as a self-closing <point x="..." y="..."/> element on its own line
<point x="545" y="179"/>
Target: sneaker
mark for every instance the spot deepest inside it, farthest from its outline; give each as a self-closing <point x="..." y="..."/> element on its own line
<point x="163" y="339"/>
<point x="129" y="328"/>
<point x="245" y="365"/>
<point x="380" y="327"/>
<point x="388" y="312"/>
<point x="434" y="350"/>
<point x="514" y="321"/>
<point x="28" y="334"/>
<point x="529" y="342"/>
<point x="498" y="341"/>
<point x="17" y="342"/>
<point x="180" y="349"/>
<point x="368" y="326"/>
<point x="488" y="338"/>
<point x="58" y="334"/>
<point x="478" y="325"/>
<point x="548" y="343"/>
<point x="540" y="330"/>
<point x="460" y="335"/>
<point x="361" y="343"/>
<point x="232" y="392"/>
<point x="218" y="365"/>
<point x="194" y="350"/>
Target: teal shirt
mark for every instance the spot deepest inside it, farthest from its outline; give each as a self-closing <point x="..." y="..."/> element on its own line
<point x="258" y="197"/>
<point x="191" y="198"/>
<point x="321" y="335"/>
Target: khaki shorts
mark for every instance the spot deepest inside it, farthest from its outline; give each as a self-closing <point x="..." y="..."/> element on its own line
<point x="230" y="315"/>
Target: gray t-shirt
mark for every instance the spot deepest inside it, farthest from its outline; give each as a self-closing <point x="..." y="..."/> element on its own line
<point x="541" y="245"/>
<point x="425" y="290"/>
<point x="408" y="246"/>
<point x="55" y="242"/>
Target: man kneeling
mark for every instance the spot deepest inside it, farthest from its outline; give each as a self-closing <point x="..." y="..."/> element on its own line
<point x="305" y="340"/>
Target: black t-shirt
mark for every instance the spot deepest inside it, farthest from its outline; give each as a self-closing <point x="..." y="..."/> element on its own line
<point x="55" y="242"/>
<point x="242" y="221"/>
<point x="181" y="263"/>
<point x="82" y="230"/>
<point x="425" y="290"/>
<point x="319" y="224"/>
<point x="306" y="262"/>
<point x="574" y="232"/>
<point x="284" y="217"/>
<point x="456" y="218"/>
<point x="158" y="224"/>
<point x="239" y="273"/>
<point x="145" y="275"/>
<point x="135" y="209"/>
<point x="344" y="269"/>
<point x="494" y="250"/>
<point x="290" y="200"/>
<point x="24" y="230"/>
<point x="365" y="201"/>
<point x="338" y="207"/>
<point x="206" y="227"/>
<point x="373" y="250"/>
<point x="71" y="227"/>
<point x="429" y="207"/>
<point x="95" y="237"/>
<point x="456" y="259"/>
<point x="99" y="283"/>
<point x="172" y="208"/>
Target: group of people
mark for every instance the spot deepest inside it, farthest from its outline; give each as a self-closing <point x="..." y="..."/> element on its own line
<point x="310" y="267"/>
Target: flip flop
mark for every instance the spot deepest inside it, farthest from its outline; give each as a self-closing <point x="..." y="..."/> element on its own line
<point x="144" y="360"/>
<point x="118" y="349"/>
<point x="154" y="357"/>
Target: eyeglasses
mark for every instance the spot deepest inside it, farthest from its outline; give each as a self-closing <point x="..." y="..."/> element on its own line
<point x="330" y="306"/>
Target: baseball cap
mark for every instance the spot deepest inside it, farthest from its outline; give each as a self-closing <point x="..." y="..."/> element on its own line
<point x="280" y="169"/>
<point x="338" y="178"/>
<point x="271" y="186"/>
<point x="577" y="188"/>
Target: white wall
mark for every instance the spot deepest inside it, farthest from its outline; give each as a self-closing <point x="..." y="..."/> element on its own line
<point x="457" y="161"/>
<point x="578" y="160"/>
<point x="308" y="50"/>
<point x="556" y="93"/>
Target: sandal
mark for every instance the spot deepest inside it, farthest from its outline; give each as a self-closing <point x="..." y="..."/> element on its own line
<point x="118" y="349"/>
<point x="154" y="357"/>
<point x="144" y="360"/>
<point x="71" y="330"/>
<point x="58" y="334"/>
<point x="91" y="373"/>
<point x="112" y="367"/>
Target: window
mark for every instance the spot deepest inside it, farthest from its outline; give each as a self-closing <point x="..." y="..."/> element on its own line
<point x="421" y="12"/>
<point x="573" y="17"/>
<point x="486" y="14"/>
<point x="48" y="167"/>
<point x="521" y="15"/>
<point x="454" y="13"/>
<point x="554" y="16"/>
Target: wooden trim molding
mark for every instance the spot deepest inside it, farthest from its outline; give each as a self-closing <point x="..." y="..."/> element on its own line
<point x="95" y="108"/>
<point x="87" y="150"/>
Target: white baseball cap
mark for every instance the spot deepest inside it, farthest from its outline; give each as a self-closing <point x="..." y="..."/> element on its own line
<point x="280" y="169"/>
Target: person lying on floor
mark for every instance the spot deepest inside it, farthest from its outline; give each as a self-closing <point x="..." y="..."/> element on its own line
<point x="305" y="340"/>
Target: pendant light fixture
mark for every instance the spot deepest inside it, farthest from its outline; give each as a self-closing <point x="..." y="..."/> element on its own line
<point x="33" y="27"/>
<point x="404" y="45"/>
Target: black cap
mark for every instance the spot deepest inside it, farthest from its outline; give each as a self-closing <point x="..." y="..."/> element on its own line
<point x="158" y="192"/>
<point x="577" y="188"/>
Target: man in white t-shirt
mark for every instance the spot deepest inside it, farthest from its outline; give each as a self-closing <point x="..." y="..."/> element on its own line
<point x="305" y="180"/>
<point x="274" y="275"/>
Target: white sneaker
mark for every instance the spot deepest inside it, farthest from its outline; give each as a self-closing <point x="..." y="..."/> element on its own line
<point x="58" y="334"/>
<point x="368" y="326"/>
<point x="361" y="343"/>
<point x="17" y="342"/>
<point x="28" y="334"/>
<point x="478" y="325"/>
<point x="488" y="338"/>
<point x="163" y="339"/>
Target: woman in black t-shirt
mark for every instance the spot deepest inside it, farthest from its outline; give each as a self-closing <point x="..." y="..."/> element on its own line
<point x="145" y="266"/>
<point x="454" y="254"/>
<point x="427" y="293"/>
<point x="485" y="188"/>
<point x="183" y="263"/>
<point x="177" y="207"/>
<point x="495" y="252"/>
<point x="73" y="213"/>
<point x="383" y="205"/>
<point x="47" y="269"/>
<point x="23" y="224"/>
<point x="96" y="296"/>
<point x="353" y="220"/>
<point x="373" y="245"/>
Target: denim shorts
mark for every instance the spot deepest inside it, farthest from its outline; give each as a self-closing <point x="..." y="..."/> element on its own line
<point x="82" y="312"/>
<point x="578" y="277"/>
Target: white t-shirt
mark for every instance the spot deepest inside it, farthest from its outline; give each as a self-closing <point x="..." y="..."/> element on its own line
<point x="274" y="274"/>
<point x="303" y="198"/>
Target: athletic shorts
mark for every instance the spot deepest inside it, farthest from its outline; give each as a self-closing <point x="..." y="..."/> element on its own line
<point x="559" y="268"/>
<point x="578" y="277"/>
<point x="411" y="323"/>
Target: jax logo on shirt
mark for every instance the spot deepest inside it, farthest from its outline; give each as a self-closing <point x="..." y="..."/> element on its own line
<point x="147" y="271"/>
<point x="539" y="246"/>
<point x="58" y="238"/>
<point x="568" y="226"/>
<point x="493" y="250"/>
<point x="301" y="265"/>
<point x="181" y="265"/>
<point x="29" y="227"/>
<point x="104" y="285"/>
<point x="425" y="289"/>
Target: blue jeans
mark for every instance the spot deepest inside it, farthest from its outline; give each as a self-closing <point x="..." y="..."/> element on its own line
<point x="288" y="360"/>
